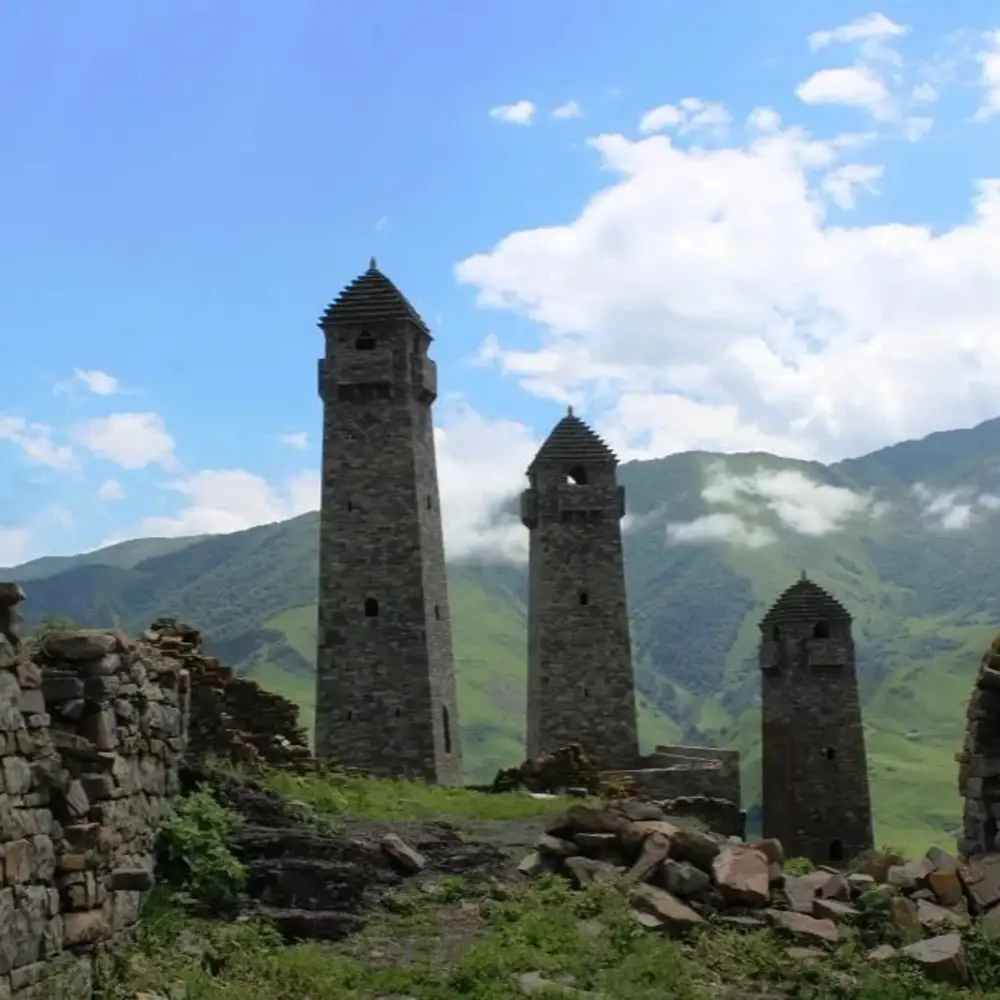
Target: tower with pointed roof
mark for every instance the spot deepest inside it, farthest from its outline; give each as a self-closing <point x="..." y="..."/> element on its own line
<point x="385" y="679"/>
<point x="580" y="681"/>
<point x="815" y="792"/>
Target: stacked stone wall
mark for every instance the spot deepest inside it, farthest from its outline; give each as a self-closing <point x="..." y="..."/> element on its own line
<point x="92" y="735"/>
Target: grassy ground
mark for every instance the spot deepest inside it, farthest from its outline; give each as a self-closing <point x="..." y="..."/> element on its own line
<point x="445" y="938"/>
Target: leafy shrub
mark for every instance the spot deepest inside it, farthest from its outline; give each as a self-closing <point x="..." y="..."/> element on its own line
<point x="798" y="866"/>
<point x="194" y="854"/>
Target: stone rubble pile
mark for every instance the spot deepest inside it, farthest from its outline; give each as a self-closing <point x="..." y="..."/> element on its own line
<point x="681" y="877"/>
<point x="91" y="739"/>
<point x="231" y="717"/>
<point x="566" y="770"/>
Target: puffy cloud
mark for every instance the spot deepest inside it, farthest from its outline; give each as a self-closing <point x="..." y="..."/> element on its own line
<point x="871" y="32"/>
<point x="720" y="527"/>
<point x="219" y="501"/>
<point x="15" y="543"/>
<point x="854" y="86"/>
<point x="787" y="498"/>
<point x="953" y="510"/>
<point x="689" y="115"/>
<point x="299" y="440"/>
<point x="988" y="59"/>
<point x="841" y="184"/>
<point x="518" y="113"/>
<point x="98" y="382"/>
<point x="132" y="440"/>
<point x="703" y="299"/>
<point x="36" y="444"/>
<point x="110" y="489"/>
<point x="568" y="110"/>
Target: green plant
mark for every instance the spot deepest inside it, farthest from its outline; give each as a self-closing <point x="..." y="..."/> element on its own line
<point x="798" y="866"/>
<point x="194" y="854"/>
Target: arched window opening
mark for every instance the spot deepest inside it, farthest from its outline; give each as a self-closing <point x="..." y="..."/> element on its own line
<point x="830" y="753"/>
<point x="775" y="633"/>
<point x="584" y="597"/>
<point x="446" y="727"/>
<point x="577" y="476"/>
<point x="371" y="607"/>
<point x="365" y="341"/>
<point x="836" y="850"/>
<point x="821" y="630"/>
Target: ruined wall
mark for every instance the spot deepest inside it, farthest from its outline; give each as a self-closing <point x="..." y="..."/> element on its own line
<point x="979" y="760"/>
<point x="92" y="732"/>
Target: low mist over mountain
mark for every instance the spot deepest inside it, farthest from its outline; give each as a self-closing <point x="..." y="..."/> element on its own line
<point x="906" y="537"/>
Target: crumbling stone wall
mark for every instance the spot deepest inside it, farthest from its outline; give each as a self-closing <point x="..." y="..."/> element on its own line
<point x="92" y="734"/>
<point x="979" y="760"/>
<point x="230" y="716"/>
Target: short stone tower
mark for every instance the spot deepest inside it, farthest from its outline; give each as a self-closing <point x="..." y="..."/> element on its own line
<point x="385" y="678"/>
<point x="815" y="773"/>
<point x="580" y="683"/>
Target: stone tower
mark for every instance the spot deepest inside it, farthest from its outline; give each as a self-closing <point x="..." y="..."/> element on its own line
<point x="815" y="772"/>
<point x="580" y="683"/>
<point x="385" y="679"/>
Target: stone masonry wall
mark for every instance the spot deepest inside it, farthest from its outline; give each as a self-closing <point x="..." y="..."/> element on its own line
<point x="92" y="732"/>
<point x="979" y="760"/>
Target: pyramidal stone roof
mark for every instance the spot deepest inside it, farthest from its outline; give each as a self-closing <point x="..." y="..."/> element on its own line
<point x="570" y="442"/>
<point x="805" y="601"/>
<point x="371" y="298"/>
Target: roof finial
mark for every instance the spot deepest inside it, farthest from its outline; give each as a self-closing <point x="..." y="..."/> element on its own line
<point x="372" y="266"/>
<point x="803" y="576"/>
<point x="569" y="411"/>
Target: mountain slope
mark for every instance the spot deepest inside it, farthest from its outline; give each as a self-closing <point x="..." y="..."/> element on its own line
<point x="922" y="597"/>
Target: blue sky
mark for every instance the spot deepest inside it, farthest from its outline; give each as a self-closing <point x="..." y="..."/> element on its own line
<point x="184" y="186"/>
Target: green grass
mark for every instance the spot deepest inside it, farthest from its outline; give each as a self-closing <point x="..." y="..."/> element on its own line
<point x="438" y="946"/>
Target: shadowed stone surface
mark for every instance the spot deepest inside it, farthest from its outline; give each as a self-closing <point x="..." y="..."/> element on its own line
<point x="385" y="680"/>
<point x="815" y="797"/>
<point x="580" y="681"/>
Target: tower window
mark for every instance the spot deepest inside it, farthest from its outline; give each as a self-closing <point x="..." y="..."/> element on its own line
<point x="350" y="715"/>
<point x="430" y="502"/>
<point x="446" y="727"/>
<point x="437" y="612"/>
<point x="586" y="692"/>
<point x="365" y="341"/>
<point x="775" y="633"/>
<point x="837" y="850"/>
<point x="584" y="597"/>
<point x="350" y="506"/>
<point x="371" y="607"/>
<point x="821" y="630"/>
<point x="577" y="476"/>
<point x="830" y="753"/>
<point x="397" y="713"/>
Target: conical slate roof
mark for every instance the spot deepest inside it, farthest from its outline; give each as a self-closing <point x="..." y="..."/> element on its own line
<point x="572" y="441"/>
<point x="371" y="298"/>
<point x="805" y="601"/>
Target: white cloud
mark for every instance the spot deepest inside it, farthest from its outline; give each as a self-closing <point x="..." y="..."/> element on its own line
<point x="689" y="115"/>
<point x="110" y="489"/>
<point x="720" y="528"/>
<point x="98" y="382"/>
<point x="875" y="28"/>
<point x="518" y="113"/>
<point x="220" y="501"/>
<point x="568" y="110"/>
<point x="132" y="440"/>
<point x="988" y="59"/>
<point x="953" y="510"/>
<point x="916" y="127"/>
<point x="841" y="184"/>
<point x="298" y="440"/>
<point x="35" y="442"/>
<point x="925" y="93"/>
<point x="854" y="86"/>
<point x="703" y="299"/>
<point x="15" y="542"/>
<point x="481" y="467"/>
<point x="382" y="223"/>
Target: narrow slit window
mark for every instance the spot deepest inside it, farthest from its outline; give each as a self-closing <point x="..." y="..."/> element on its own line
<point x="371" y="607"/>
<point x="446" y="727"/>
<point x="437" y="612"/>
<point x="836" y="850"/>
<point x="584" y="597"/>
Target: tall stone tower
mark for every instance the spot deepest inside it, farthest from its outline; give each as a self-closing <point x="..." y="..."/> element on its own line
<point x="580" y="683"/>
<point x="815" y="772"/>
<point x="385" y="678"/>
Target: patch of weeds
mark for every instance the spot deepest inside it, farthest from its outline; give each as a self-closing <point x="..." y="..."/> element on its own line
<point x="193" y="851"/>
<point x="798" y="866"/>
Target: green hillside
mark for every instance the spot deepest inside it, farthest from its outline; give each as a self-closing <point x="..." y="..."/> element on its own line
<point x="922" y="597"/>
